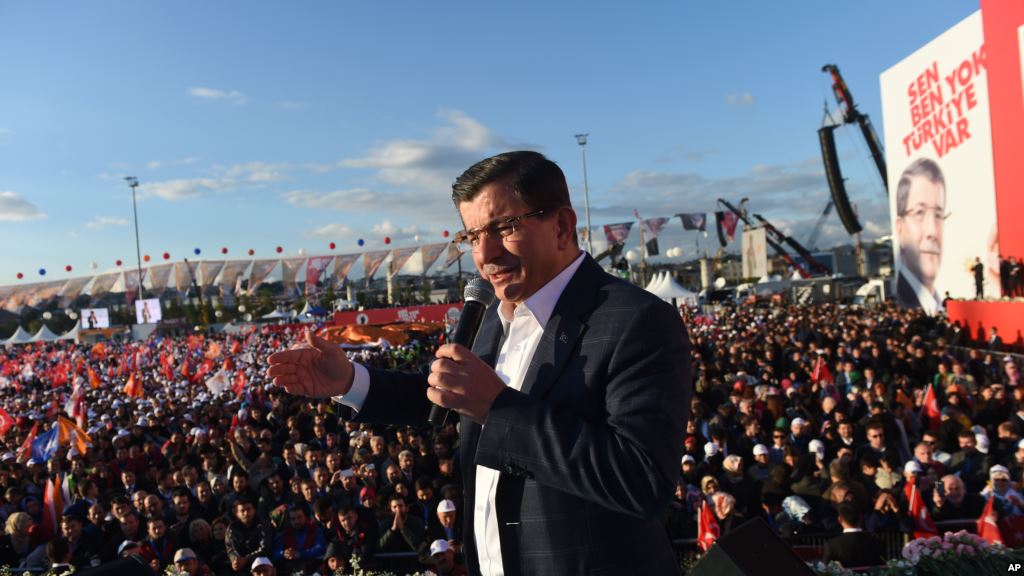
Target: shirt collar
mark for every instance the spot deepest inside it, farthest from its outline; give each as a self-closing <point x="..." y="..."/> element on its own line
<point x="542" y="303"/>
<point x="929" y="300"/>
<point x="848" y="530"/>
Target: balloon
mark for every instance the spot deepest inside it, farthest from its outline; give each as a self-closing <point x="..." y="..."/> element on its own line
<point x="196" y="251"/>
<point x="20" y="275"/>
<point x="251" y="251"/>
<point x="224" y="250"/>
<point x="145" y="258"/>
<point x="94" y="265"/>
<point x="47" y="315"/>
<point x="67" y="268"/>
<point x="331" y="245"/>
<point x="42" y="271"/>
<point x="302" y="251"/>
<point x="279" y="249"/>
<point x="416" y="238"/>
<point x="444" y="234"/>
<point x="360" y="242"/>
<point x="387" y="239"/>
<point x="118" y="262"/>
<point x="167" y="256"/>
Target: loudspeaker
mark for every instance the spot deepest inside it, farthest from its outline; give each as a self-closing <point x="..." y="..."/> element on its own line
<point x="750" y="550"/>
<point x="835" y="180"/>
<point x="130" y="566"/>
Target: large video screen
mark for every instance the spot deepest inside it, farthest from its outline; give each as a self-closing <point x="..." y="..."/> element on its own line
<point x="147" y="311"/>
<point x="94" y="318"/>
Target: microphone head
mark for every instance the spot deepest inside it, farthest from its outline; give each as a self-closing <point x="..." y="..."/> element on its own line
<point x="479" y="290"/>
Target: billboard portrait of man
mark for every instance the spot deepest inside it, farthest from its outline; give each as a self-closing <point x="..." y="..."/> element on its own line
<point x="920" y="218"/>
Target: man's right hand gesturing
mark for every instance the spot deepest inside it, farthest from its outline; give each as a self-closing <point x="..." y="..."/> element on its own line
<point x="316" y="368"/>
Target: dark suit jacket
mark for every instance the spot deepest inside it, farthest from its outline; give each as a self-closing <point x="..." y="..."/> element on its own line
<point x="589" y="449"/>
<point x="906" y="297"/>
<point x="854" y="549"/>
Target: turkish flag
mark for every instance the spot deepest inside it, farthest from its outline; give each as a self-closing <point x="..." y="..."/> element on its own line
<point x="94" y="380"/>
<point x="707" y="527"/>
<point x="239" y="386"/>
<point x="1012" y="530"/>
<point x="924" y="527"/>
<point x="931" y="409"/>
<point x="134" y="386"/>
<point x="821" y="371"/>
<point x="5" y="421"/>
<point x="988" y="526"/>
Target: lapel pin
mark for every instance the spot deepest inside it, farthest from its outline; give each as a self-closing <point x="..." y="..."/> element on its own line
<point x="563" y="338"/>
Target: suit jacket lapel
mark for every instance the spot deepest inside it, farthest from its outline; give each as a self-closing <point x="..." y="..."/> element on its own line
<point x="563" y="329"/>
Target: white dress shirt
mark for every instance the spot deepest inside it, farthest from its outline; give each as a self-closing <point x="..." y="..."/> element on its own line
<point x="522" y="334"/>
<point x="929" y="300"/>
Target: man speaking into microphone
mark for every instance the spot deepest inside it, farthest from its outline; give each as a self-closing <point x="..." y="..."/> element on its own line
<point x="573" y="400"/>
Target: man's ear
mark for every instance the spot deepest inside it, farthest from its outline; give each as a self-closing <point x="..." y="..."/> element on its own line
<point x="566" y="228"/>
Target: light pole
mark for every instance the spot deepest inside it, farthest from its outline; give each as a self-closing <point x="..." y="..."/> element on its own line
<point x="133" y="183"/>
<point x="581" y="139"/>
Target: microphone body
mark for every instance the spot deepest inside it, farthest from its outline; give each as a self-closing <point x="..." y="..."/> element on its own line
<point x="478" y="297"/>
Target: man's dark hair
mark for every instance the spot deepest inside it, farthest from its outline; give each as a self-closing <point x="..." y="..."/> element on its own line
<point x="242" y="501"/>
<point x="424" y="483"/>
<point x="322" y="505"/>
<point x="849" y="513"/>
<point x="58" y="550"/>
<point x="925" y="167"/>
<point x="180" y="491"/>
<point x="534" y="179"/>
<point x="396" y="496"/>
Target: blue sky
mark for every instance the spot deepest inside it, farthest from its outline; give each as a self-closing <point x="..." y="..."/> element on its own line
<point x="261" y="124"/>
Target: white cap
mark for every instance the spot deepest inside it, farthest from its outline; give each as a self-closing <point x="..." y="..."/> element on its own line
<point x="798" y="421"/>
<point x="347" y="473"/>
<point x="979" y="429"/>
<point x="10" y="456"/>
<point x="760" y="449"/>
<point x="710" y="449"/>
<point x="438" y="547"/>
<point x="688" y="458"/>
<point x="446" y="506"/>
<point x="261" y="561"/>
<point x="998" y="469"/>
<point x="183" y="555"/>
<point x="1020" y="445"/>
<point x="912" y="466"/>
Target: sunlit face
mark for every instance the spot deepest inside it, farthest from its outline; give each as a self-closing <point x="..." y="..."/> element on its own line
<point x="919" y="229"/>
<point x="519" y="265"/>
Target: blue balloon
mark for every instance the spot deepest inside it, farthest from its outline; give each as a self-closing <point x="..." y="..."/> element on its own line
<point x="360" y="242"/>
<point x="197" y="251"/>
<point x="42" y="271"/>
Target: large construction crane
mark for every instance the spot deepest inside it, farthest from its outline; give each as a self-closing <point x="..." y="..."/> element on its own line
<point x="770" y="238"/>
<point x="812" y="238"/>
<point x="853" y="116"/>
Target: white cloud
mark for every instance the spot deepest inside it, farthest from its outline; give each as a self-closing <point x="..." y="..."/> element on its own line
<point x="740" y="100"/>
<point x="101" y="222"/>
<point x="332" y="231"/>
<point x="255" y="172"/>
<point x="14" y="208"/>
<point x="183" y="188"/>
<point x="157" y="164"/>
<point x="233" y="96"/>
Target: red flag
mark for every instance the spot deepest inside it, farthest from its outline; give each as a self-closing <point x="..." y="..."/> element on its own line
<point x="821" y="371"/>
<point x="5" y="421"/>
<point x="988" y="526"/>
<point x="229" y="364"/>
<point x="707" y="527"/>
<point x="25" y="451"/>
<point x="186" y="368"/>
<point x="729" y="221"/>
<point x="924" y="527"/>
<point x="239" y="386"/>
<point x="236" y="347"/>
<point x="53" y="506"/>
<point x="1011" y="528"/>
<point x="931" y="409"/>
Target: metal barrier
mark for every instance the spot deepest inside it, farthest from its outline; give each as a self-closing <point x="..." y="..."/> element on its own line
<point x="397" y="562"/>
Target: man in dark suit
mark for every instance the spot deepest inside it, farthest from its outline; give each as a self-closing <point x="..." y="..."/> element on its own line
<point x="573" y="399"/>
<point x="854" y="547"/>
<point x="920" y="218"/>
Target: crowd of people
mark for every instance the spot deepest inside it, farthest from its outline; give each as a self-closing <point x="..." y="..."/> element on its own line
<point x="818" y="419"/>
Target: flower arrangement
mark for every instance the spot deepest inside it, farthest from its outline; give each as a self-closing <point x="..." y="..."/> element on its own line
<point x="831" y="569"/>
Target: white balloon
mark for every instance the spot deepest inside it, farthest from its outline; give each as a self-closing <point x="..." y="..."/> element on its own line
<point x="631" y="255"/>
<point x="73" y="315"/>
<point x="241" y="307"/>
<point x="416" y="238"/>
<point x="47" y="315"/>
<point x="218" y="313"/>
<point x="720" y="282"/>
<point x="302" y="251"/>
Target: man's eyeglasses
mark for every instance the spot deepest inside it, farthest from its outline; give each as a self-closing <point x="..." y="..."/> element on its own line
<point x="505" y="229"/>
<point x="918" y="214"/>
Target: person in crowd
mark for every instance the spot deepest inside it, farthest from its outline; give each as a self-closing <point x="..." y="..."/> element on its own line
<point x="246" y="538"/>
<point x="301" y="545"/>
<point x="952" y="501"/>
<point x="188" y="563"/>
<point x="403" y="532"/>
<point x="444" y="559"/>
<point x="854" y="547"/>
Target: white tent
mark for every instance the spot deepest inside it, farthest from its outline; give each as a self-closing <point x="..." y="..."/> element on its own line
<point x="668" y="288"/>
<point x="71" y="334"/>
<point x="44" y="335"/>
<point x="20" y="336"/>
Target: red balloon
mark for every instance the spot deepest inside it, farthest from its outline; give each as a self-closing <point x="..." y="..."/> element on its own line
<point x="251" y="251"/>
<point x="331" y="245"/>
<point x="68" y="268"/>
<point x="145" y="258"/>
<point x="223" y="250"/>
<point x="118" y="262"/>
<point x="20" y="275"/>
<point x="387" y="239"/>
<point x="167" y="256"/>
<point x="444" y="234"/>
<point x="279" y="249"/>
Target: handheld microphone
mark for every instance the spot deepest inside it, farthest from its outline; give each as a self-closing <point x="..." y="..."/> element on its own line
<point x="479" y="294"/>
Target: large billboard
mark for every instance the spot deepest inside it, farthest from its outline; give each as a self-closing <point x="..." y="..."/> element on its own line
<point x="147" y="311"/>
<point x="755" y="253"/>
<point x="95" y="318"/>
<point x="938" y="139"/>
